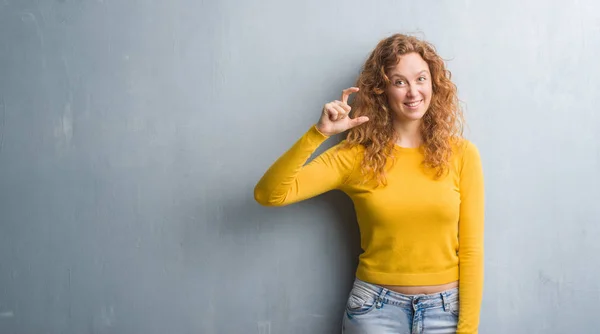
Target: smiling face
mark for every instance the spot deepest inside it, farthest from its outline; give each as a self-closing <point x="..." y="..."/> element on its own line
<point x="410" y="91"/>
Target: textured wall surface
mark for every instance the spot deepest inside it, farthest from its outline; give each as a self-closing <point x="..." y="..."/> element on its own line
<point x="132" y="134"/>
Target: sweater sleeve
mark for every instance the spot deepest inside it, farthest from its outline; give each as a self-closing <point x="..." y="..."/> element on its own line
<point x="470" y="238"/>
<point x="290" y="179"/>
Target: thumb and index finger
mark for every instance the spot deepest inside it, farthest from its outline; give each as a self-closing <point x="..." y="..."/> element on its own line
<point x="345" y="94"/>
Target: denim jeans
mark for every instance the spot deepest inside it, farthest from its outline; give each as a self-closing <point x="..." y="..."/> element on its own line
<point x="372" y="309"/>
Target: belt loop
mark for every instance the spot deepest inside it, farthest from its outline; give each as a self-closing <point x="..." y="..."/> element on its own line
<point x="445" y="301"/>
<point x="380" y="298"/>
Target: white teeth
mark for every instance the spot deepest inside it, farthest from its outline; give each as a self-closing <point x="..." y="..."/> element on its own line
<point x="413" y="104"/>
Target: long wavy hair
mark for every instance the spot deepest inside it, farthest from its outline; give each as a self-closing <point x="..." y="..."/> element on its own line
<point x="440" y="126"/>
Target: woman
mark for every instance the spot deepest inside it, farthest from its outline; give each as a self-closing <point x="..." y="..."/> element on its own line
<point x="417" y="188"/>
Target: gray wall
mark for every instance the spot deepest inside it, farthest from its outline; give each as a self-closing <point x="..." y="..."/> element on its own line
<point x="132" y="134"/>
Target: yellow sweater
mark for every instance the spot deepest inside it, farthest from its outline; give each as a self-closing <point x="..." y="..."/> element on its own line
<point x="414" y="231"/>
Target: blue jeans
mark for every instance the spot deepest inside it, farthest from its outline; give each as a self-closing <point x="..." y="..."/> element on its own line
<point x="372" y="309"/>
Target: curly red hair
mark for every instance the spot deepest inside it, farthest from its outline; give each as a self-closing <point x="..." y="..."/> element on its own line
<point x="441" y="124"/>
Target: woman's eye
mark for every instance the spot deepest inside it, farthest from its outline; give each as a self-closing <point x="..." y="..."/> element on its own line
<point x="422" y="79"/>
<point x="399" y="82"/>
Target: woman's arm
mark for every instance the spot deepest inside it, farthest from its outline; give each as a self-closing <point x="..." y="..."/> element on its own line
<point x="290" y="179"/>
<point x="470" y="238"/>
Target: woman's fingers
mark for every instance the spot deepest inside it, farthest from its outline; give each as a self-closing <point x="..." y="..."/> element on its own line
<point x="346" y="93"/>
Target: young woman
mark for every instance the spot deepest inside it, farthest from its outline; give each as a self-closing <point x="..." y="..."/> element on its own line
<point x="417" y="188"/>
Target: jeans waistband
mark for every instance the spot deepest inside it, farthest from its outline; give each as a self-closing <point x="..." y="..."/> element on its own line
<point x="424" y="300"/>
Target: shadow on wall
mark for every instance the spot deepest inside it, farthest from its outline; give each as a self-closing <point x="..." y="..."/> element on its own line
<point x="245" y="225"/>
<point x="243" y="216"/>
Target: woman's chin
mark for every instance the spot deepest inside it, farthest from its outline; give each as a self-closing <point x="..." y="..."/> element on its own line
<point x="410" y="115"/>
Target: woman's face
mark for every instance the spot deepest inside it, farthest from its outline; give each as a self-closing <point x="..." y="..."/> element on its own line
<point x="410" y="91"/>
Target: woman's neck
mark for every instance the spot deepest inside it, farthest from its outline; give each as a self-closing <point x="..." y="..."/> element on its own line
<point x="408" y="134"/>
